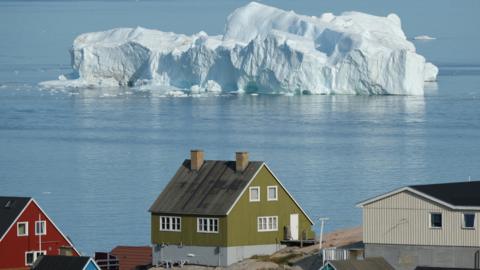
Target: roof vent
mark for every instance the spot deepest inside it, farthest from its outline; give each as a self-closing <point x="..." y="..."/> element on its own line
<point x="241" y="161"/>
<point x="196" y="159"/>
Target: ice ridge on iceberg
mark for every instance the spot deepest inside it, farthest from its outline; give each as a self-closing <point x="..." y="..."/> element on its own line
<point x="263" y="49"/>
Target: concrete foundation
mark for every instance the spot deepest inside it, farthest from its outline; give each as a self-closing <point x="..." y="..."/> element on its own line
<point x="211" y="256"/>
<point x="407" y="257"/>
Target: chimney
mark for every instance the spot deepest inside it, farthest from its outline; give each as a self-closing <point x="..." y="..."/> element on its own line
<point x="241" y="161"/>
<point x="196" y="159"/>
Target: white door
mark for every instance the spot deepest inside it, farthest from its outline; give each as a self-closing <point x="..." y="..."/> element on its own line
<point x="294" y="226"/>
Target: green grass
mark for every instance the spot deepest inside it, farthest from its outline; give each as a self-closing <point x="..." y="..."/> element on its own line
<point x="280" y="260"/>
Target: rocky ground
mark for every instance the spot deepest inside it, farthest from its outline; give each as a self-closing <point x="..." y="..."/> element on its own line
<point x="285" y="258"/>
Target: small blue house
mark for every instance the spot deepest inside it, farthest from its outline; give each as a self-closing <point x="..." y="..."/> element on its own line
<point x="65" y="262"/>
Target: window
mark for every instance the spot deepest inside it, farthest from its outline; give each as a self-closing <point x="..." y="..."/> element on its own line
<point x="65" y="251"/>
<point x="22" y="228"/>
<point x="267" y="224"/>
<point x="468" y="220"/>
<point x="254" y="194"/>
<point x="40" y="253"/>
<point x="207" y="225"/>
<point x="40" y="227"/>
<point x="29" y="258"/>
<point x="171" y="224"/>
<point x="435" y="220"/>
<point x="272" y="193"/>
<point x="32" y="256"/>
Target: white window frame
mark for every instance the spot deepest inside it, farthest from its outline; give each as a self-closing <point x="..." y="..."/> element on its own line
<point x="36" y="254"/>
<point x="250" y="193"/>
<point x="269" y="227"/>
<point x="26" y="228"/>
<point x="430" y="220"/>
<point x="33" y="258"/>
<point x="268" y="193"/>
<point x="474" y="220"/>
<point x="44" y="222"/>
<point x="209" y="220"/>
<point x="169" y="220"/>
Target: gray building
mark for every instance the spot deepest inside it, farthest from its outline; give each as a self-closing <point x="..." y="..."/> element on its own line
<point x="366" y="264"/>
<point x="424" y="225"/>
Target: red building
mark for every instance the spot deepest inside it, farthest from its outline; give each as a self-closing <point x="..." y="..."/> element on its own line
<point x="131" y="258"/>
<point x="125" y="258"/>
<point x="26" y="232"/>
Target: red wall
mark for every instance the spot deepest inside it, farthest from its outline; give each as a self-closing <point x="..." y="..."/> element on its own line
<point x="13" y="247"/>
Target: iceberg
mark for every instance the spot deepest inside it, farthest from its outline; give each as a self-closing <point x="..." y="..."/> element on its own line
<point x="262" y="50"/>
<point x="424" y="37"/>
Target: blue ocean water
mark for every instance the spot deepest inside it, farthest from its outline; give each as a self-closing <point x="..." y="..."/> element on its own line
<point x="96" y="160"/>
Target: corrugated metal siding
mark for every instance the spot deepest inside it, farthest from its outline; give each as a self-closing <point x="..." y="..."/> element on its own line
<point x="403" y="218"/>
<point x="130" y="257"/>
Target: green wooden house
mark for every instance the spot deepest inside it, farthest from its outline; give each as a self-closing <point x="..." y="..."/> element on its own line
<point x="215" y="212"/>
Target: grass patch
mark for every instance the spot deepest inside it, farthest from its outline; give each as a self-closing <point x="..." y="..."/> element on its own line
<point x="263" y="258"/>
<point x="280" y="260"/>
<point x="284" y="259"/>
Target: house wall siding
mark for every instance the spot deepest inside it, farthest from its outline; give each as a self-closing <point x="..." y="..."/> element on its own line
<point x="207" y="255"/>
<point x="404" y="218"/>
<point x="188" y="234"/>
<point x="91" y="266"/>
<point x="242" y="220"/>
<point x="13" y="247"/>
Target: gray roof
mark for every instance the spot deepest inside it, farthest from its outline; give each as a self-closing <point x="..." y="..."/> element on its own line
<point x="60" y="263"/>
<point x="373" y="263"/>
<point x="10" y="208"/>
<point x="456" y="193"/>
<point x="212" y="190"/>
<point x="353" y="246"/>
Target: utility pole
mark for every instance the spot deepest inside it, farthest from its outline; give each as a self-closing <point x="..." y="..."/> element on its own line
<point x="322" y="224"/>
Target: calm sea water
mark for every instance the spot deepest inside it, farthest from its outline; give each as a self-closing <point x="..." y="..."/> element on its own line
<point x="96" y="160"/>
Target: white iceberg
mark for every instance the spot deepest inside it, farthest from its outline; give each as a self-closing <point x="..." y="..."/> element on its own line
<point x="430" y="73"/>
<point x="424" y="37"/>
<point x="263" y="50"/>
